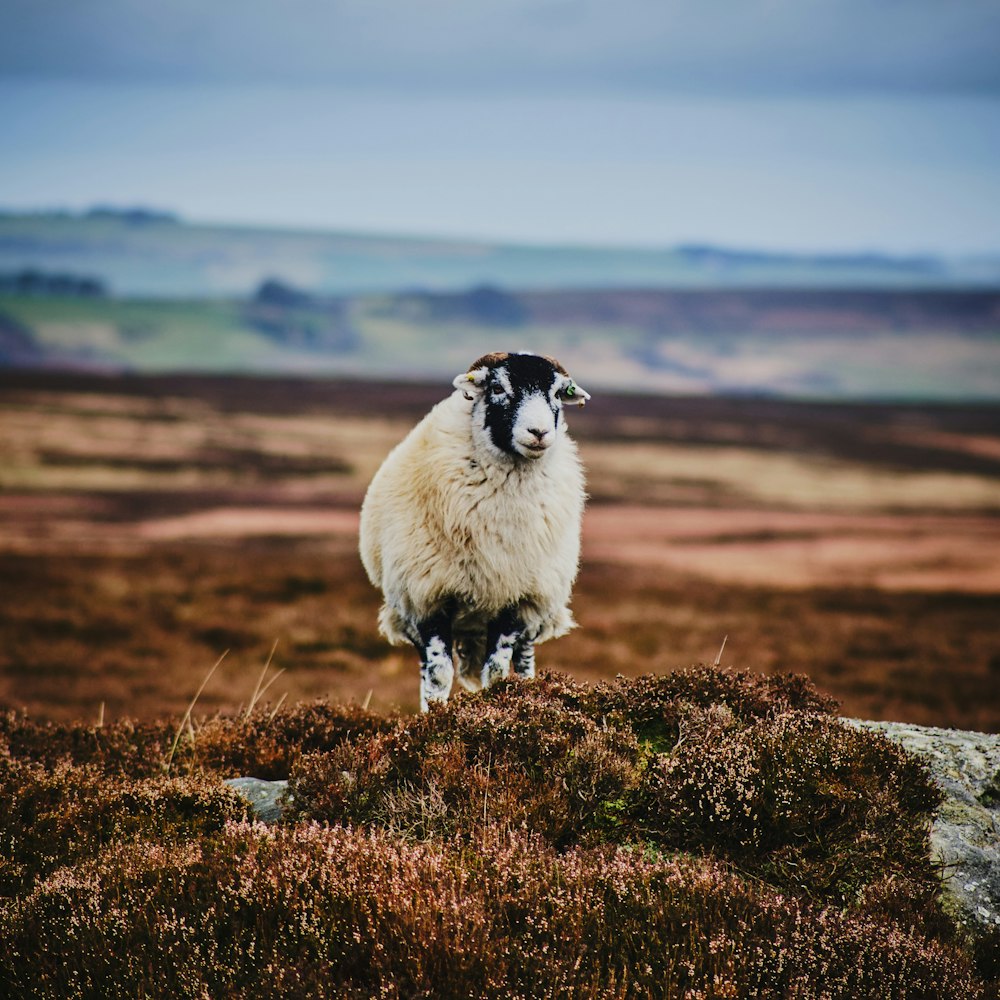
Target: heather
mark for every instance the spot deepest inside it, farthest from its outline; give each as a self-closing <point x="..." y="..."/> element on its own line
<point x="700" y="834"/>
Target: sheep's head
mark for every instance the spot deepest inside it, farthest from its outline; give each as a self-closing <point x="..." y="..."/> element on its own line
<point x="517" y="401"/>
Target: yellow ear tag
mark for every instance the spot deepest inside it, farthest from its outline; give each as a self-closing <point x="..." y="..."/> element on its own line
<point x="471" y="378"/>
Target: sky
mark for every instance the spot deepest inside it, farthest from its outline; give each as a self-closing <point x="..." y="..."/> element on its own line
<point x="836" y="125"/>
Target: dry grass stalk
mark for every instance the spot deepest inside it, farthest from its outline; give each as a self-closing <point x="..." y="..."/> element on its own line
<point x="274" y="711"/>
<point x="718" y="659"/>
<point x="261" y="688"/>
<point x="186" y="720"/>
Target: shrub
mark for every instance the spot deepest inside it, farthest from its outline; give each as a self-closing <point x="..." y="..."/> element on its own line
<point x="262" y="745"/>
<point x="651" y="705"/>
<point x="268" y="747"/>
<point x="321" y="912"/>
<point x="800" y="800"/>
<point x="124" y="747"/>
<point x="704" y="760"/>
<point x="519" y="757"/>
<point x="54" y="817"/>
<point x="704" y="835"/>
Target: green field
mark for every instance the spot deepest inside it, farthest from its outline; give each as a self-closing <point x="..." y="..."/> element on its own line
<point x="861" y="351"/>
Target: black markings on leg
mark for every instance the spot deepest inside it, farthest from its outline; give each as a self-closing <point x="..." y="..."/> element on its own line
<point x="524" y="659"/>
<point x="502" y="637"/>
<point x="437" y="670"/>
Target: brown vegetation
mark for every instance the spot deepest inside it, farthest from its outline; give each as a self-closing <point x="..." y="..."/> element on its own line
<point x="705" y="834"/>
<point x="151" y="524"/>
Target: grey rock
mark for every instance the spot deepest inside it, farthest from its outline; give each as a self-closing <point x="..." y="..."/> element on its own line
<point x="965" y="836"/>
<point x="266" y="798"/>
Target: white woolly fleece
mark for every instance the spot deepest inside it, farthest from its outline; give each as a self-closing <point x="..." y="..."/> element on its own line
<point x="445" y="518"/>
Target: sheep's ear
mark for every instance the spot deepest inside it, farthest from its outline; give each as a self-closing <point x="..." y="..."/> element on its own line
<point x="471" y="382"/>
<point x="572" y="394"/>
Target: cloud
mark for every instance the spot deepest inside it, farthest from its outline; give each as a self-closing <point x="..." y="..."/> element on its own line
<point x="490" y="46"/>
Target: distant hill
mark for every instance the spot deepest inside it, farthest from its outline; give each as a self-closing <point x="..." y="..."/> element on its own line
<point x="144" y="252"/>
<point x="913" y="344"/>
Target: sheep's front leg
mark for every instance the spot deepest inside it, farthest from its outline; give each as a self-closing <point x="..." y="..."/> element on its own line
<point x="503" y="636"/>
<point x="437" y="671"/>
<point x="524" y="659"/>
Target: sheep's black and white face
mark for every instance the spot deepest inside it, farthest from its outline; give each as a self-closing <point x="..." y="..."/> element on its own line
<point x="518" y="401"/>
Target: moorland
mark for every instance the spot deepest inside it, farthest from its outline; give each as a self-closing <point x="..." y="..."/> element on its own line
<point x="181" y="602"/>
<point x="151" y="523"/>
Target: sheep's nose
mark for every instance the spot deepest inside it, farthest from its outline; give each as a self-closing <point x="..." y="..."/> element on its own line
<point x="537" y="432"/>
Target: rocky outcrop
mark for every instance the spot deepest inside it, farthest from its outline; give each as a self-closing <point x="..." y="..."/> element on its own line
<point x="965" y="837"/>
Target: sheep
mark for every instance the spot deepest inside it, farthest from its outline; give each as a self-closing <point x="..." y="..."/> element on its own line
<point x="471" y="526"/>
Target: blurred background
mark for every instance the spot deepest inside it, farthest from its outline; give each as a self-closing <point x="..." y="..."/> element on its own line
<point x="244" y="247"/>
